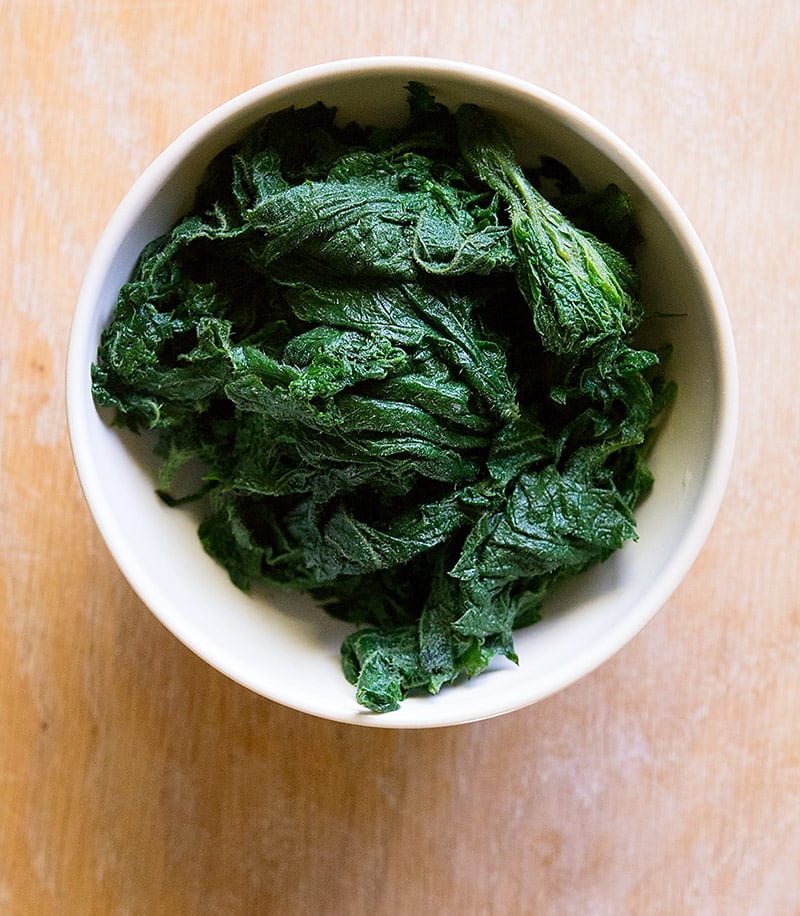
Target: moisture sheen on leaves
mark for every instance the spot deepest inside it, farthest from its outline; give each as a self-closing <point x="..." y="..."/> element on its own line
<point x="407" y="374"/>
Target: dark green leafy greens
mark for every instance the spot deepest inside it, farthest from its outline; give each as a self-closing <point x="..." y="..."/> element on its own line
<point x="409" y="378"/>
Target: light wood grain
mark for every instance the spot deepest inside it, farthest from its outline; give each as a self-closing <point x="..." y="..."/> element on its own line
<point x="134" y="779"/>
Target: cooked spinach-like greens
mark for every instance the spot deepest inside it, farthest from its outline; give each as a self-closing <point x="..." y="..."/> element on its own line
<point x="408" y="374"/>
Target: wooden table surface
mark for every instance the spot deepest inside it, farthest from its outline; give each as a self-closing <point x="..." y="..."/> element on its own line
<point x="136" y="780"/>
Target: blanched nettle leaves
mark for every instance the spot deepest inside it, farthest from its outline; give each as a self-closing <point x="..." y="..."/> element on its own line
<point x="367" y="226"/>
<point x="550" y="523"/>
<point x="385" y="665"/>
<point x="226" y="537"/>
<point x="408" y="379"/>
<point x="444" y="320"/>
<point x="580" y="291"/>
<point x="335" y="411"/>
<point x="179" y="363"/>
<point x="447" y="248"/>
<point x="349" y="545"/>
<point x="360" y="228"/>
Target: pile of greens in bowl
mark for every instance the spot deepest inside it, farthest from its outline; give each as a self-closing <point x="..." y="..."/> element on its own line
<point x="406" y="366"/>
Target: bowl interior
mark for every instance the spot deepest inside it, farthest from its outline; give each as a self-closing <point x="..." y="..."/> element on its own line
<point x="281" y="645"/>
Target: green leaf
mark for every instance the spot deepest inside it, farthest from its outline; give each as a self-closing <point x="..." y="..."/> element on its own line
<point x="579" y="290"/>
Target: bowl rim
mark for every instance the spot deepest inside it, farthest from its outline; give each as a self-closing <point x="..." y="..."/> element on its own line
<point x="146" y="186"/>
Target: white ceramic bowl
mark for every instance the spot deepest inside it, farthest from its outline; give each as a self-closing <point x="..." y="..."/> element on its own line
<point x="285" y="648"/>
